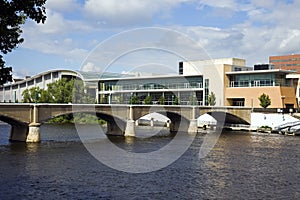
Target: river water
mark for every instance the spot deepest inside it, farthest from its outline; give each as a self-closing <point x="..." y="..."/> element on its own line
<point x="241" y="165"/>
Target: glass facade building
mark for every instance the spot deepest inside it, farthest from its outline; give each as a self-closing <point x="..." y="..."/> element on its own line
<point x="185" y="89"/>
<point x="258" y="80"/>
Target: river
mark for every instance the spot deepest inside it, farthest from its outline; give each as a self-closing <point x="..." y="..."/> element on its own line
<point x="242" y="165"/>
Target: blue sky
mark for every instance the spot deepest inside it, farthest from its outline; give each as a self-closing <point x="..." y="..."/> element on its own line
<point x="252" y="30"/>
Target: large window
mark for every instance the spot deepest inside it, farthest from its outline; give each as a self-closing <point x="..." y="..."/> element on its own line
<point x="257" y="80"/>
<point x="152" y="84"/>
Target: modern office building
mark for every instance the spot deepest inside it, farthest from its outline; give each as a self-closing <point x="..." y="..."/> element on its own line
<point x="188" y="89"/>
<point x="287" y="62"/>
<point x="245" y="87"/>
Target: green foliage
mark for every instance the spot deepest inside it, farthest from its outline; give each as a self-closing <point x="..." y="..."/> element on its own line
<point x="5" y="72"/>
<point x="79" y="92"/>
<point x="60" y="91"/>
<point x="85" y="118"/>
<point x="14" y="14"/>
<point x="148" y="100"/>
<point x="134" y="100"/>
<point x="176" y="101"/>
<point x="63" y="119"/>
<point x="193" y="99"/>
<point x="80" y="118"/>
<point x="161" y="100"/>
<point x="212" y="99"/>
<point x="33" y="95"/>
<point x="265" y="100"/>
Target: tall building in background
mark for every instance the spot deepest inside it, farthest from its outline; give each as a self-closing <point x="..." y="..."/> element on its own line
<point x="286" y="62"/>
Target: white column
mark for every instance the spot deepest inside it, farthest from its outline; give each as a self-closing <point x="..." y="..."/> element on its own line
<point x="130" y="125"/>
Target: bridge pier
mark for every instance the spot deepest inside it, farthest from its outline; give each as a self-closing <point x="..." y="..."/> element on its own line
<point x="130" y="128"/>
<point x="130" y="125"/>
<point x="33" y="133"/>
<point x="193" y="126"/>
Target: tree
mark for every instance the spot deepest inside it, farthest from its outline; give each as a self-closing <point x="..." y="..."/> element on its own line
<point x="265" y="100"/>
<point x="134" y="99"/>
<point x="193" y="99"/>
<point x="5" y="72"/>
<point x="60" y="91"/>
<point x="13" y="14"/>
<point x="34" y="95"/>
<point x="80" y="92"/>
<point x="148" y="100"/>
<point x="176" y="101"/>
<point x="212" y="99"/>
<point x="161" y="100"/>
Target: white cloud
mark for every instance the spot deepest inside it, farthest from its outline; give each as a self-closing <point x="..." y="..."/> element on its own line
<point x="89" y="67"/>
<point x="218" y="3"/>
<point x="115" y="12"/>
<point x="62" y="6"/>
<point x="54" y="24"/>
<point x="271" y="27"/>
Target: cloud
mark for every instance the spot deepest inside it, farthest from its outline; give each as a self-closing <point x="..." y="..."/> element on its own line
<point x="89" y="67"/>
<point x="270" y="27"/>
<point x="62" y="6"/>
<point x="130" y="12"/>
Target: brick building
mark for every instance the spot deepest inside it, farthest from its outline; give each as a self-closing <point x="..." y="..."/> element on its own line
<point x="286" y="62"/>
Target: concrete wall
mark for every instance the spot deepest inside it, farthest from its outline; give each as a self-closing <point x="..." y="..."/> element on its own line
<point x="214" y="70"/>
<point x="251" y="94"/>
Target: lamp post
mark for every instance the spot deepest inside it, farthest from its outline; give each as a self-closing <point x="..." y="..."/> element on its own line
<point x="282" y="99"/>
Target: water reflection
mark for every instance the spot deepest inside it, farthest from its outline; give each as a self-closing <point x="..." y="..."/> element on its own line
<point x="242" y="165"/>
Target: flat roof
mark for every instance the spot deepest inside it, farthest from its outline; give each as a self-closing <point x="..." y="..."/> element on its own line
<point x="148" y="77"/>
<point x="262" y="72"/>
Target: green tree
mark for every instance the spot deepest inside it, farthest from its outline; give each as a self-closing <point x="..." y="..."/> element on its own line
<point x="148" y="100"/>
<point x="265" y="100"/>
<point x="80" y="92"/>
<point x="60" y="91"/>
<point x="193" y="99"/>
<point x="5" y="72"/>
<point x="34" y="95"/>
<point x="212" y="99"/>
<point x="162" y="100"/>
<point x="134" y="99"/>
<point x="176" y="101"/>
<point x="14" y="13"/>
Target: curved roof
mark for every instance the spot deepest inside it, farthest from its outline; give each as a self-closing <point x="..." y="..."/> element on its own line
<point x="66" y="71"/>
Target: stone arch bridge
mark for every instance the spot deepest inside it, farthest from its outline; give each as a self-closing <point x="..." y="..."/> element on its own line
<point x="26" y="119"/>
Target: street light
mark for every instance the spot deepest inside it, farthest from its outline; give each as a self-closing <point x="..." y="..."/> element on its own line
<point x="282" y="99"/>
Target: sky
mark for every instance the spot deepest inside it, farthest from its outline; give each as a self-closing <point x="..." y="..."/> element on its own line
<point x="122" y="35"/>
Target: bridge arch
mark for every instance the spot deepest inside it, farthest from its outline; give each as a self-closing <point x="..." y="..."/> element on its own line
<point x="12" y="121"/>
<point x="115" y="125"/>
<point x="227" y="118"/>
<point x="179" y="123"/>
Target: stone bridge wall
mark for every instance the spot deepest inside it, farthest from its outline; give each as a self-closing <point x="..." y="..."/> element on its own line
<point x="30" y="116"/>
